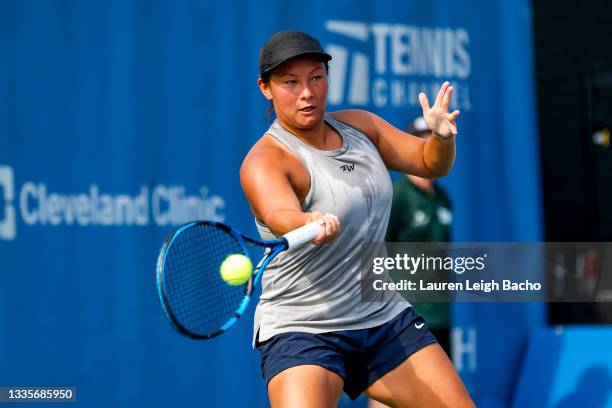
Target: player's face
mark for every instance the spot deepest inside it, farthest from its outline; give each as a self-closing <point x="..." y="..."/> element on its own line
<point x="298" y="88"/>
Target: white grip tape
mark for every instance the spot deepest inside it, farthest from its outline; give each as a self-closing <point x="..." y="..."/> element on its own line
<point x="303" y="234"/>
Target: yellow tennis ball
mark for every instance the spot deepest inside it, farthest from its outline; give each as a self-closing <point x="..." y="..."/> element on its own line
<point x="236" y="269"/>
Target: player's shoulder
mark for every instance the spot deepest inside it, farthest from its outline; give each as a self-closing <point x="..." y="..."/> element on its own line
<point x="267" y="152"/>
<point x="359" y="119"/>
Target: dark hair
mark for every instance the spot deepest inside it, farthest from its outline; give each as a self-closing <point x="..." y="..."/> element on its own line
<point x="269" y="114"/>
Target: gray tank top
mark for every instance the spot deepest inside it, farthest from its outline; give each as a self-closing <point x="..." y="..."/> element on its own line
<point x="316" y="288"/>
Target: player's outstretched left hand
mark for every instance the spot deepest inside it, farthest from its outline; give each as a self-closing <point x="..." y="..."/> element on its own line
<point x="437" y="117"/>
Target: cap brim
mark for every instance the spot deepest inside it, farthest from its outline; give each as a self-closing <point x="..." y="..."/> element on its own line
<point x="323" y="56"/>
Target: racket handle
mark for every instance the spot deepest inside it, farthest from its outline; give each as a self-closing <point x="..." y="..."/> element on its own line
<point x="302" y="235"/>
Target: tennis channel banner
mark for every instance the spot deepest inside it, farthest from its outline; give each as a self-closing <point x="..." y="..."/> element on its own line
<point x="120" y="120"/>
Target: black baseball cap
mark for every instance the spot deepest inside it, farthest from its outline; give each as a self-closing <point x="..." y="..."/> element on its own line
<point x="288" y="44"/>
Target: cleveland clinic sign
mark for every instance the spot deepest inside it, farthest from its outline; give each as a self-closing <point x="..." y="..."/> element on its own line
<point x="161" y="205"/>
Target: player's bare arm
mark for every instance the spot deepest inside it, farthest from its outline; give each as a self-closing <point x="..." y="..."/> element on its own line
<point x="275" y="183"/>
<point x="407" y="153"/>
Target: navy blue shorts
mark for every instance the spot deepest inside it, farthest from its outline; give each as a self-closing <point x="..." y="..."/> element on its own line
<point x="360" y="357"/>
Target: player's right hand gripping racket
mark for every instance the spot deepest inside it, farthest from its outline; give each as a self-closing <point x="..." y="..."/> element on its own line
<point x="193" y="296"/>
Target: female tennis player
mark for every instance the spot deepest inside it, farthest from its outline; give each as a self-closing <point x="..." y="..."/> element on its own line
<point x="315" y="334"/>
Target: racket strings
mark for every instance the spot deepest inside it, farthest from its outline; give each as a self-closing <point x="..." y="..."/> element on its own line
<point x="195" y="292"/>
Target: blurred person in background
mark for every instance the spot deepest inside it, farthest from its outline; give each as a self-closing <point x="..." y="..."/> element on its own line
<point x="422" y="212"/>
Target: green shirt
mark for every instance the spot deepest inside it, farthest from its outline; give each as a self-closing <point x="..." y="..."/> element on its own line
<point x="418" y="216"/>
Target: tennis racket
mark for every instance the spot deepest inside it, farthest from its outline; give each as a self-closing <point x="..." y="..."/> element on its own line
<point x="196" y="300"/>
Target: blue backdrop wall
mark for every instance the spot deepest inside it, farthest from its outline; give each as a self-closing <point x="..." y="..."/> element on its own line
<point x="121" y="119"/>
